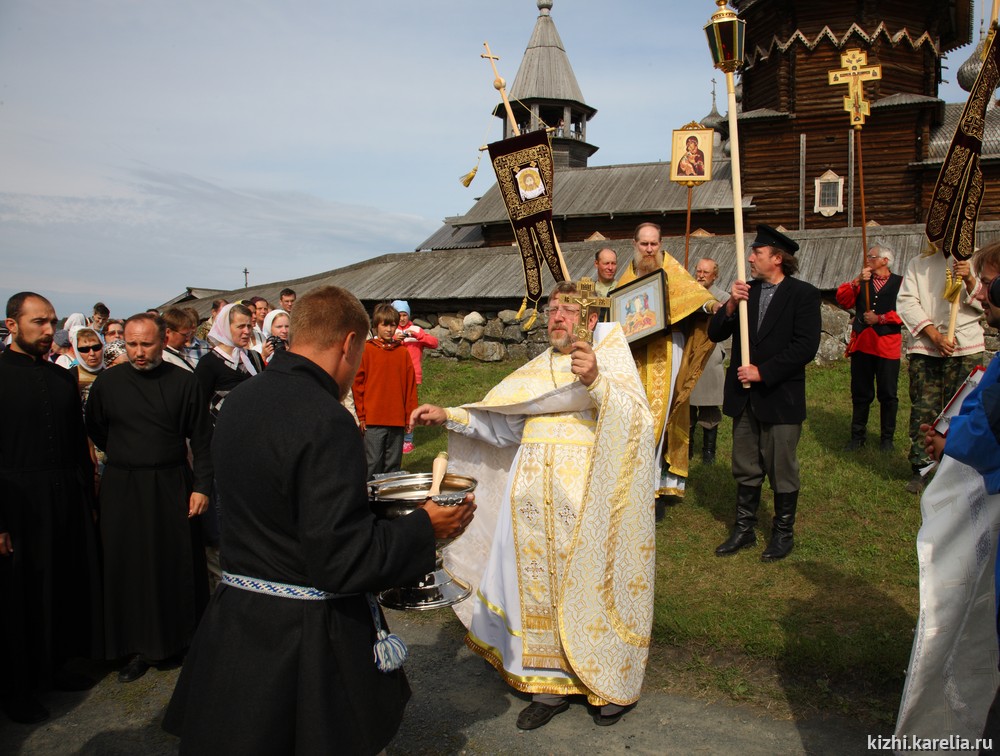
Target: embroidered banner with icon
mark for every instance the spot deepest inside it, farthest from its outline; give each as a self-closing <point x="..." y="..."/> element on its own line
<point x="524" y="169"/>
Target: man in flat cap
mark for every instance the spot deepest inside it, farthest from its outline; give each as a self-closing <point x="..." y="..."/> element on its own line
<point x="784" y="328"/>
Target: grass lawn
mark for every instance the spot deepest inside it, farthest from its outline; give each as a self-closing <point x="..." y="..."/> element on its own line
<point x="827" y="629"/>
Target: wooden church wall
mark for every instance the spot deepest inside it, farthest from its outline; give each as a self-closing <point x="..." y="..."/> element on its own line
<point x="770" y="166"/>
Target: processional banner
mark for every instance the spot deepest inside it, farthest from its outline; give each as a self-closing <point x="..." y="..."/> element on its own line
<point x="958" y="195"/>
<point x="524" y="169"/>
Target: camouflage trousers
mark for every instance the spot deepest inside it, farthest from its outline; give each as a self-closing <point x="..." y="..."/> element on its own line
<point x="933" y="381"/>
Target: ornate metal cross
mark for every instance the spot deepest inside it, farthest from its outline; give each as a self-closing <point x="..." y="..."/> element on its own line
<point x="855" y="73"/>
<point x="589" y="302"/>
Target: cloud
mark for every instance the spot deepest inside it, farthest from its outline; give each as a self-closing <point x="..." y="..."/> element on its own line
<point x="177" y="230"/>
<point x="148" y="146"/>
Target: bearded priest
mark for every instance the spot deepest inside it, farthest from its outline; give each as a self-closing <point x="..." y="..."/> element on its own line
<point x="670" y="364"/>
<point x="562" y="551"/>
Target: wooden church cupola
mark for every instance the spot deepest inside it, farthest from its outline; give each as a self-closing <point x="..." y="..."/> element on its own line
<point x="545" y="93"/>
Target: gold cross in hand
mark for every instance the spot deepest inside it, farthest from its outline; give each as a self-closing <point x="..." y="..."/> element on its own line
<point x="589" y="302"/>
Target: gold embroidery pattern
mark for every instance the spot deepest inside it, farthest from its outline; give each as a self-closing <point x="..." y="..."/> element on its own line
<point x="533" y="381"/>
<point x="457" y="415"/>
<point x="541" y="532"/>
<point x="529" y="684"/>
<point x="546" y="248"/>
<point x="529" y="259"/>
<point x="574" y="616"/>
<point x="604" y="623"/>
<point x="506" y="167"/>
<point x="958" y="194"/>
<point x="571" y="428"/>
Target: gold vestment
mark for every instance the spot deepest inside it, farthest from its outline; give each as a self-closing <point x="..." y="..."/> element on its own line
<point x="654" y="358"/>
<point x="579" y="500"/>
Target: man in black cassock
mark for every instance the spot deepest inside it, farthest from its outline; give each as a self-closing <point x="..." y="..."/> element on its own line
<point x="155" y="580"/>
<point x="283" y="662"/>
<point x="50" y="597"/>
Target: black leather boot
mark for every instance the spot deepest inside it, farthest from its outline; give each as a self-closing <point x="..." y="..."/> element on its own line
<point x="859" y="428"/>
<point x="887" y="418"/>
<point x="782" y="525"/>
<point x="742" y="535"/>
<point x="708" y="445"/>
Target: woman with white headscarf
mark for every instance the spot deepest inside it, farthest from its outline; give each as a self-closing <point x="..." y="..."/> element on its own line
<point x="88" y="345"/>
<point x="275" y="329"/>
<point x="231" y="361"/>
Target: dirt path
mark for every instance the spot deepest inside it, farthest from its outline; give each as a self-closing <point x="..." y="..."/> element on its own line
<point x="459" y="706"/>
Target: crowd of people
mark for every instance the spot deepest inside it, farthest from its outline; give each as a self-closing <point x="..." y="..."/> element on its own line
<point x="130" y="531"/>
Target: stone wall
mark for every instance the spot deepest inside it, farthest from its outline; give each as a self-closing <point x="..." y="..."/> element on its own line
<point x="487" y="336"/>
<point x="496" y="336"/>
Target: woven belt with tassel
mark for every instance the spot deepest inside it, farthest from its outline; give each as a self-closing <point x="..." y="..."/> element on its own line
<point x="390" y="651"/>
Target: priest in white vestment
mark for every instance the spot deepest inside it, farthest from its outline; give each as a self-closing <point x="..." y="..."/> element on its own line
<point x="562" y="550"/>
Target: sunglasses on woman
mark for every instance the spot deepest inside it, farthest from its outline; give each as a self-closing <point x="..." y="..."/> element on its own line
<point x="90" y="348"/>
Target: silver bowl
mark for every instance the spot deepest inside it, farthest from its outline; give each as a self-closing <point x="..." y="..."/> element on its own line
<point x="398" y="494"/>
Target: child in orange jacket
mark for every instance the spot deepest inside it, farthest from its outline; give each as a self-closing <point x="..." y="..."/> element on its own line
<point x="385" y="393"/>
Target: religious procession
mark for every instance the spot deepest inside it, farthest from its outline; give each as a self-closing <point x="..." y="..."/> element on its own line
<point x="238" y="492"/>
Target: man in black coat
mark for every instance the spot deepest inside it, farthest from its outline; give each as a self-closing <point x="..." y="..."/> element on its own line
<point x="784" y="328"/>
<point x="282" y="661"/>
<point x="50" y="584"/>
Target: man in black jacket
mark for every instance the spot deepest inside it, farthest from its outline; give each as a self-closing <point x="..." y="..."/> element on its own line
<point x="784" y="328"/>
<point x="283" y="661"/>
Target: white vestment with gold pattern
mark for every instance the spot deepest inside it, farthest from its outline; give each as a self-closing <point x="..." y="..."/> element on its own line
<point x="562" y="549"/>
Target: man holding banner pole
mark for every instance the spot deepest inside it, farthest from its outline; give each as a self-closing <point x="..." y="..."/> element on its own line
<point x="937" y="365"/>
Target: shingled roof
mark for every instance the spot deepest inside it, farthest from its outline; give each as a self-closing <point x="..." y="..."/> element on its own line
<point x="941" y="136"/>
<point x="636" y="189"/>
<point x="490" y="278"/>
<point x="545" y="72"/>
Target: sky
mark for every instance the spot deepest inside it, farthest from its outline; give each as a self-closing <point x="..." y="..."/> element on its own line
<point x="151" y="145"/>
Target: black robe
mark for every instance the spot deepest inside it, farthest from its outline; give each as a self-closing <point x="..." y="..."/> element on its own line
<point x="268" y="674"/>
<point x="155" y="579"/>
<point x="50" y="587"/>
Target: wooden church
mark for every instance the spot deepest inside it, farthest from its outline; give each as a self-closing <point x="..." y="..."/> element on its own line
<point x="796" y="142"/>
<point x="796" y="136"/>
<point x="796" y="148"/>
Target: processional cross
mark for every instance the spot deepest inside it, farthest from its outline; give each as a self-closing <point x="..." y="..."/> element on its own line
<point x="854" y="74"/>
<point x="589" y="302"/>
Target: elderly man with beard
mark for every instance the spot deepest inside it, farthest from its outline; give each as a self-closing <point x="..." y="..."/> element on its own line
<point x="50" y="591"/>
<point x="155" y="585"/>
<point x="561" y="551"/>
<point x="670" y="364"/>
